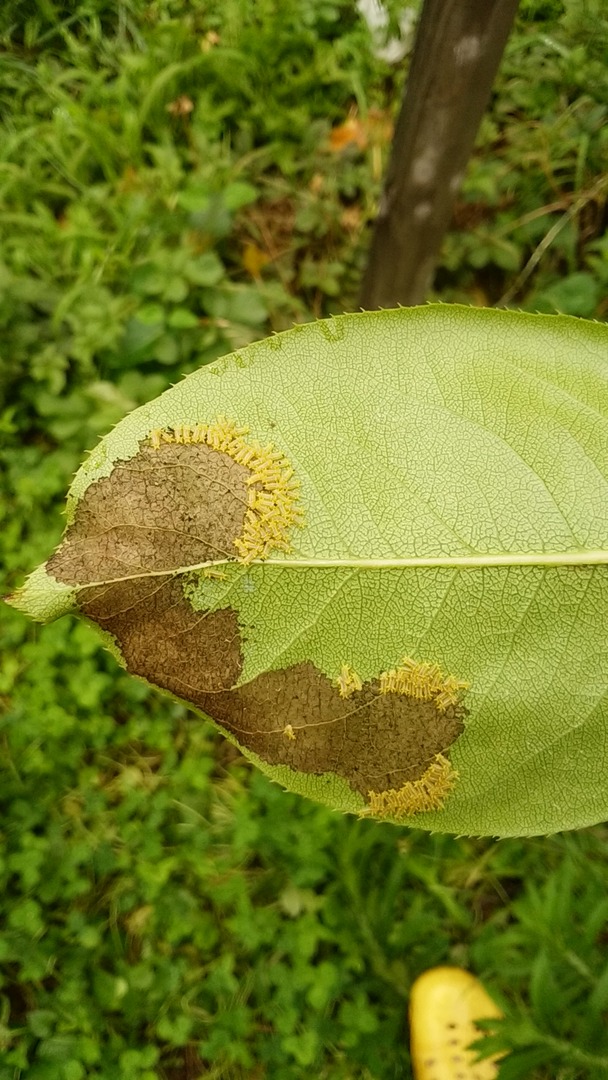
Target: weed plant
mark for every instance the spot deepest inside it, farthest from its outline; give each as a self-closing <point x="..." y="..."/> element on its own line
<point x="176" y="180"/>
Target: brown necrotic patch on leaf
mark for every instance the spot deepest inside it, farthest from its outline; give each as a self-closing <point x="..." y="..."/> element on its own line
<point x="388" y="746"/>
<point x="195" y="494"/>
<point x="272" y="501"/>
<point x="378" y="742"/>
<point x="190" y="653"/>
<point x="165" y="508"/>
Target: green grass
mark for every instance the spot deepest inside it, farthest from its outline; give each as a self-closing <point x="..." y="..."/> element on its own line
<point x="165" y="912"/>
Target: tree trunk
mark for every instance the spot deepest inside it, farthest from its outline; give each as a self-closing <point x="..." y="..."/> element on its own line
<point x="457" y="51"/>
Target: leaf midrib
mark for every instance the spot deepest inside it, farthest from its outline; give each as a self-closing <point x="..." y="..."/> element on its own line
<point x="547" y="559"/>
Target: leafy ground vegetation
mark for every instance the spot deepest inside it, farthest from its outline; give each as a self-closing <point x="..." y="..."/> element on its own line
<point x="176" y="180"/>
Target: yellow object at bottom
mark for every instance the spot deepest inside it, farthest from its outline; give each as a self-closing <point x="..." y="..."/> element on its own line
<point x="445" y="1003"/>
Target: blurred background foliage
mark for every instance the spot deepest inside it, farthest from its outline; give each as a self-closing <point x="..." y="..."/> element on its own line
<point x="176" y="180"/>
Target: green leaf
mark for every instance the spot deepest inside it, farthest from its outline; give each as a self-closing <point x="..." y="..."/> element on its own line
<point x="238" y="194"/>
<point x="372" y="549"/>
<point x="182" y="319"/>
<point x="207" y="270"/>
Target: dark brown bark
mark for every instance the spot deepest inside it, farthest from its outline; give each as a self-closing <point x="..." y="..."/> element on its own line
<point x="458" y="48"/>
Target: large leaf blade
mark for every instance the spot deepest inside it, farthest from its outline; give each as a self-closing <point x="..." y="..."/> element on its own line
<point x="453" y="473"/>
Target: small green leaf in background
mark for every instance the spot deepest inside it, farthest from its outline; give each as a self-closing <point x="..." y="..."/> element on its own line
<point x="374" y="551"/>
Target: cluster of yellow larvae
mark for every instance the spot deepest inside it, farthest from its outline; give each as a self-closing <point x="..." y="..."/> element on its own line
<point x="421" y="680"/>
<point x="416" y="796"/>
<point x="348" y="682"/>
<point x="272" y="500"/>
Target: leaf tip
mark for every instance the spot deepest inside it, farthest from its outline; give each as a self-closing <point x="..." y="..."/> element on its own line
<point x="42" y="597"/>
